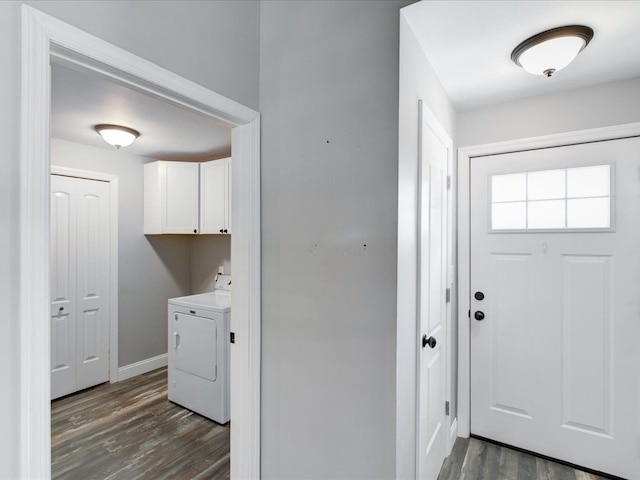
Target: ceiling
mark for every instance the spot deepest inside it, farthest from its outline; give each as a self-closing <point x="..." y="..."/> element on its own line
<point x="167" y="132"/>
<point x="469" y="45"/>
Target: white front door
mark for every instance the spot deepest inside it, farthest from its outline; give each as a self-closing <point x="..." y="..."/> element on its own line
<point x="432" y="286"/>
<point x="555" y="317"/>
<point x="80" y="229"/>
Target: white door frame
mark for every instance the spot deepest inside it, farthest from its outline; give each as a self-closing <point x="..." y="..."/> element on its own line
<point x="465" y="155"/>
<point x="113" y="255"/>
<point x="44" y="40"/>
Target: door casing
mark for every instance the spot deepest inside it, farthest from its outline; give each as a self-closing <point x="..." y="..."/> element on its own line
<point x="465" y="156"/>
<point x="46" y="39"/>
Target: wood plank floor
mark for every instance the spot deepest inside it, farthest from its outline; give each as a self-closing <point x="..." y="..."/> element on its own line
<point x="129" y="430"/>
<point x="474" y="459"/>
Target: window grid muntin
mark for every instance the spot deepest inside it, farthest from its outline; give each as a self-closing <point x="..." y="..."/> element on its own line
<point x="610" y="170"/>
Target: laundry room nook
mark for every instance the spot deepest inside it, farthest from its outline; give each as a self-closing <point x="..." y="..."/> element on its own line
<point x="141" y="282"/>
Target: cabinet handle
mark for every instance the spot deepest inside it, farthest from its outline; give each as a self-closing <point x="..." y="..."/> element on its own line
<point x="195" y="231"/>
<point x="225" y="230"/>
<point x="221" y="230"/>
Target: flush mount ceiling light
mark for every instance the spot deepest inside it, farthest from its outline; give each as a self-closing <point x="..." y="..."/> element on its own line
<point x="549" y="52"/>
<point x="116" y="135"/>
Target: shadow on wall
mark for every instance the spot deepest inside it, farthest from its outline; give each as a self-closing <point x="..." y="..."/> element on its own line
<point x="201" y="255"/>
<point x="173" y="253"/>
<point x="208" y="252"/>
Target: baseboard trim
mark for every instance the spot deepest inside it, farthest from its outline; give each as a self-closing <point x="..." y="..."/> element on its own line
<point x="143" y="366"/>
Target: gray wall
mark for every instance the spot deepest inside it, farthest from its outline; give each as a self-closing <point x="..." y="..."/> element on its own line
<point x="603" y="105"/>
<point x="208" y="252"/>
<point x="151" y="268"/>
<point x="329" y="105"/>
<point x="9" y="236"/>
<point x="212" y="43"/>
<point x="418" y="81"/>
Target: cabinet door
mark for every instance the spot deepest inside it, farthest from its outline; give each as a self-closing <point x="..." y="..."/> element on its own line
<point x="213" y="205"/>
<point x="180" y="197"/>
<point x="227" y="197"/>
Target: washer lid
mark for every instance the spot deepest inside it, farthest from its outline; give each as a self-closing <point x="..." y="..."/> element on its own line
<point x="213" y="301"/>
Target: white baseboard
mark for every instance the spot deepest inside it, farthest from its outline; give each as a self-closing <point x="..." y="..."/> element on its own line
<point x="144" y="366"/>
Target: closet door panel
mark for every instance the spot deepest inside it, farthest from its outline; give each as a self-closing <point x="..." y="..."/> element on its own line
<point x="93" y="283"/>
<point x="63" y="285"/>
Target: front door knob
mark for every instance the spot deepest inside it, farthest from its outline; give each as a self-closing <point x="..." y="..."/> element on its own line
<point x="428" y="341"/>
<point x="479" y="316"/>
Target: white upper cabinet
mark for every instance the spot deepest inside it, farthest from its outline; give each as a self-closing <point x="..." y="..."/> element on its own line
<point x="187" y="197"/>
<point x="215" y="196"/>
<point x="171" y="197"/>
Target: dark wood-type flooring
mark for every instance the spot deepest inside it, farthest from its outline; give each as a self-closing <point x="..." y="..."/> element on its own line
<point x="474" y="459"/>
<point x="129" y="430"/>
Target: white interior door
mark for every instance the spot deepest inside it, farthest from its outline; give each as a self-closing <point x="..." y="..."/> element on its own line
<point x="80" y="230"/>
<point x="432" y="286"/>
<point x="555" y="319"/>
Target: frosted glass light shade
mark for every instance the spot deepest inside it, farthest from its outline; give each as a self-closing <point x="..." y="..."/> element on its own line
<point x="552" y="55"/>
<point x="551" y="51"/>
<point x="117" y="135"/>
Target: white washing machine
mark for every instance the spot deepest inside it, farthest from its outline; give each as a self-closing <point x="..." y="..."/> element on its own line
<point x="199" y="351"/>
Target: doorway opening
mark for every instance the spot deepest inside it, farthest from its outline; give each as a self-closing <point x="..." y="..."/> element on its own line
<point x="47" y="40"/>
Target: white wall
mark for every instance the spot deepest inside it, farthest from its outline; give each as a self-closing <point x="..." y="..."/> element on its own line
<point x="329" y="105"/>
<point x="418" y="81"/>
<point x="212" y="43"/>
<point x="151" y="268"/>
<point x="603" y="105"/>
